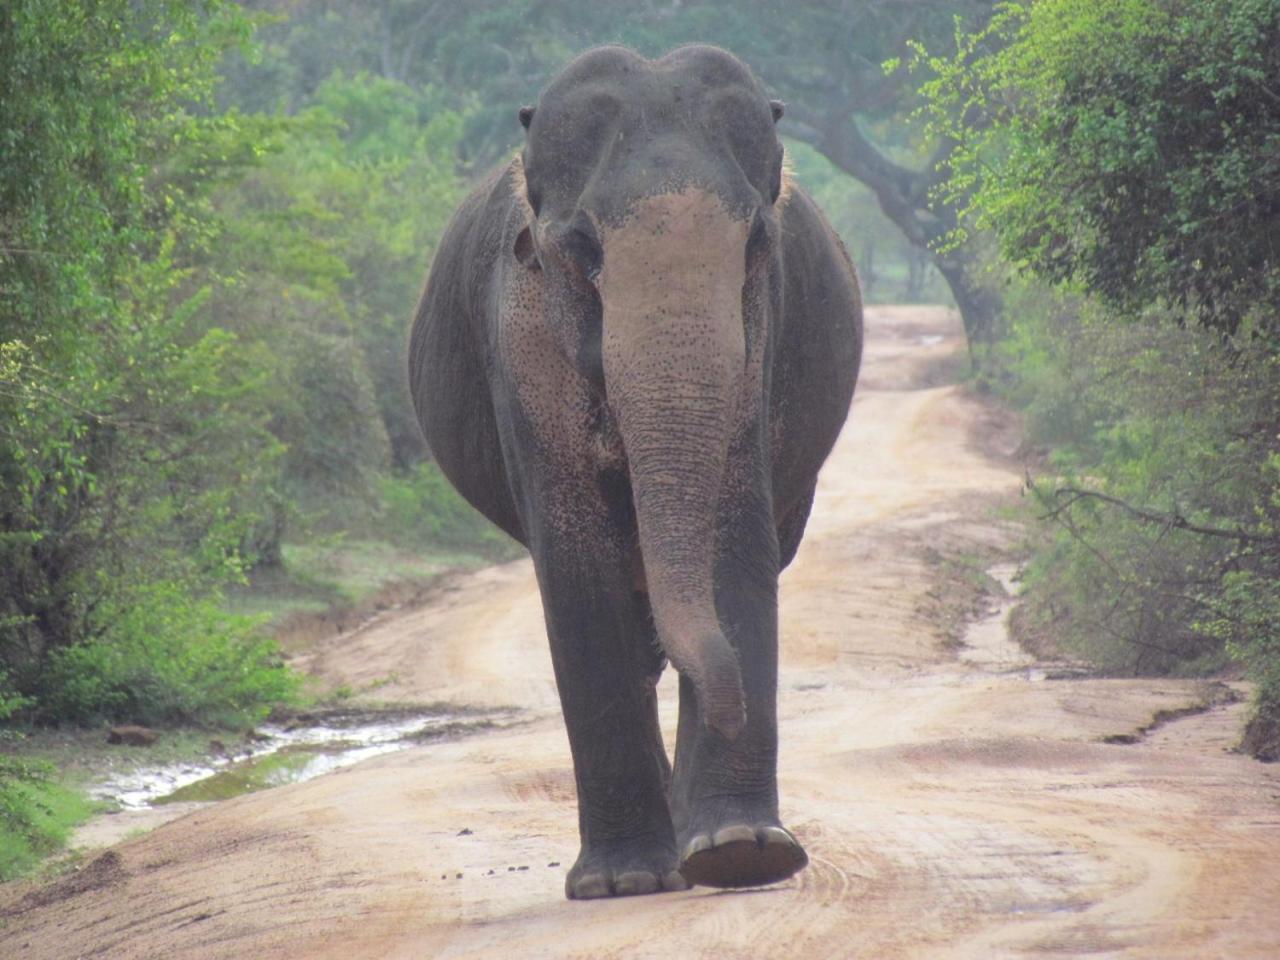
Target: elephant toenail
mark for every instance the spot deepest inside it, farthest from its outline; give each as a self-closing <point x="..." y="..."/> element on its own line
<point x="736" y="833"/>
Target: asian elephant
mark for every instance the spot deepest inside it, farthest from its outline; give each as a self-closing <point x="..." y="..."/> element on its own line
<point x="636" y="347"/>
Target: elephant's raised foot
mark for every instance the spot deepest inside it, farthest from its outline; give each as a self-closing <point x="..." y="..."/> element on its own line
<point x="621" y="872"/>
<point x="740" y="855"/>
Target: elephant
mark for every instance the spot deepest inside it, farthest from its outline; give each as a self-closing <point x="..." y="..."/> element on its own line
<point x="637" y="344"/>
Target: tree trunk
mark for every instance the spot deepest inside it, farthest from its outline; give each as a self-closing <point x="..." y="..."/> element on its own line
<point x="905" y="197"/>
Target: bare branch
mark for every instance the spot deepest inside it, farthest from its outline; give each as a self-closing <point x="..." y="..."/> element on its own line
<point x="1069" y="496"/>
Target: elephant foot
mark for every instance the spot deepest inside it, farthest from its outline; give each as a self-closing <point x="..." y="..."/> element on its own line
<point x="622" y="870"/>
<point x="740" y="855"/>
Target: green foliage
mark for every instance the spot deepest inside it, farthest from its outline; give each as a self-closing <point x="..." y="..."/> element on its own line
<point x="202" y="346"/>
<point x="1163" y="487"/>
<point x="36" y="815"/>
<point x="163" y="659"/>
<point x="1126" y="153"/>
<point x="133" y="441"/>
<point x="328" y="242"/>
<point x="1128" y="146"/>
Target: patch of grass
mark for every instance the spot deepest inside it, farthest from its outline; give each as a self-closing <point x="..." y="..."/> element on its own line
<point x="337" y="572"/>
<point x="36" y="815"/>
<point x="82" y="757"/>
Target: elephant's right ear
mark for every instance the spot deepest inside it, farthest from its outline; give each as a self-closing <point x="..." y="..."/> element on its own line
<point x="526" y="116"/>
<point x="524" y="250"/>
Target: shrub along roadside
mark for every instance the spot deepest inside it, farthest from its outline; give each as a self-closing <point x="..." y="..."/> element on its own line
<point x="1161" y="491"/>
<point x="163" y="660"/>
<point x="36" y="814"/>
<point x="1126" y="155"/>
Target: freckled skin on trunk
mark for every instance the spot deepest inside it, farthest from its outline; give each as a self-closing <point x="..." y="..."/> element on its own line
<point x="674" y="362"/>
<point x="635" y="349"/>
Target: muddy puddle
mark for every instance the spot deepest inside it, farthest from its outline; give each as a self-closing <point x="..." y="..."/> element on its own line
<point x="987" y="643"/>
<point x="272" y="755"/>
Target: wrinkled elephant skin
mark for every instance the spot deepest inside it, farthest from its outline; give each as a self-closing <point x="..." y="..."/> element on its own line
<point x="636" y="347"/>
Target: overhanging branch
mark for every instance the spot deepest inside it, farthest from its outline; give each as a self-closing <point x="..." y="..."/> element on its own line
<point x="1066" y="497"/>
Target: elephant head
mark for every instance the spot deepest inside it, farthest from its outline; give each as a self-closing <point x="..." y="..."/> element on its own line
<point x="653" y="191"/>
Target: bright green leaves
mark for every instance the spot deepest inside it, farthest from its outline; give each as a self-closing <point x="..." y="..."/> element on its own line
<point x="1129" y="146"/>
<point x="134" y="448"/>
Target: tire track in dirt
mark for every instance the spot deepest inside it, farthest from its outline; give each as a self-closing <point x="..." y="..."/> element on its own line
<point x="950" y="810"/>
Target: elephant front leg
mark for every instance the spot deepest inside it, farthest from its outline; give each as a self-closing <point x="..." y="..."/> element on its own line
<point x="605" y="664"/>
<point x="725" y="792"/>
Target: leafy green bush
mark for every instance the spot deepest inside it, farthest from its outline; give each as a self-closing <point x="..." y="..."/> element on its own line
<point x="1126" y="154"/>
<point x="1162" y="486"/>
<point x="134" y="455"/>
<point x="36" y="815"/>
<point x="1128" y="146"/>
<point x="166" y="658"/>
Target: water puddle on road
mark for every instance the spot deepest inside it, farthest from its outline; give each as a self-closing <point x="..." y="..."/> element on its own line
<point x="987" y="643"/>
<point x="273" y="755"/>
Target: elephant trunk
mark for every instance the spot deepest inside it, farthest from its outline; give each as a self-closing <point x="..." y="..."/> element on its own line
<point x="674" y="355"/>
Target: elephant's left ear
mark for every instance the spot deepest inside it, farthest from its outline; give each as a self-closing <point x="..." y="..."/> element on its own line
<point x="524" y="250"/>
<point x="777" y="107"/>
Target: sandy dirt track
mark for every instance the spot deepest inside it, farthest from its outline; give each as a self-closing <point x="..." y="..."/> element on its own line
<point x="950" y="809"/>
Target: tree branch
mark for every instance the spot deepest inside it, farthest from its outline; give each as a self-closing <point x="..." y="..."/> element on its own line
<point x="1069" y="496"/>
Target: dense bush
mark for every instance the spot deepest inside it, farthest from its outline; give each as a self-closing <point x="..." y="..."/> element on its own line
<point x="133" y="440"/>
<point x="1127" y="154"/>
<point x="1128" y="146"/>
<point x="35" y="812"/>
<point x="202" y="315"/>
<point x="1162" y="487"/>
<point x="144" y="665"/>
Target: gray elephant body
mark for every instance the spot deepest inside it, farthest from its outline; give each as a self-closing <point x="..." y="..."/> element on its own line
<point x="637" y="345"/>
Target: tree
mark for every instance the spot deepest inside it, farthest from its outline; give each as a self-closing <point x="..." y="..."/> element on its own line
<point x="1132" y="147"/>
<point x="133" y="448"/>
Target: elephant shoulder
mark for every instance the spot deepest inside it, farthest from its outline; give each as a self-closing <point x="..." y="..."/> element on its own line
<point x="449" y="349"/>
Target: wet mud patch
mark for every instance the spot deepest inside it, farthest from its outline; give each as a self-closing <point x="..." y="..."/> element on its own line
<point x="294" y="749"/>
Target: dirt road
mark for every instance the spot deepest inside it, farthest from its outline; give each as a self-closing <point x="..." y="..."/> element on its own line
<point x="953" y="806"/>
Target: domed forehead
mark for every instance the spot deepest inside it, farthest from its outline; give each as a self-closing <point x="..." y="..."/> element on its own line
<point x="621" y="73"/>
